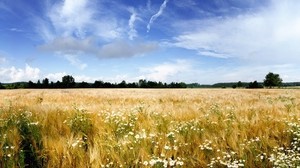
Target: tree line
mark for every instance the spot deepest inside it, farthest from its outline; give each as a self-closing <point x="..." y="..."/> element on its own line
<point x="68" y="81"/>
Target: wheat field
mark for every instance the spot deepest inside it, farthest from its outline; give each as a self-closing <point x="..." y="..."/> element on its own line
<point x="150" y="128"/>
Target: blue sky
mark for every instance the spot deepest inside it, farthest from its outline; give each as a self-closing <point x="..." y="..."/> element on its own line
<point x="204" y="41"/>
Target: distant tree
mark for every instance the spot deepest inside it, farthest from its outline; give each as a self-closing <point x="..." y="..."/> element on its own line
<point x="152" y="84"/>
<point x="1" y="86"/>
<point x="239" y="84"/>
<point x="108" y="85"/>
<point x="143" y="83"/>
<point x="68" y="81"/>
<point x="132" y="85"/>
<point x="254" y="85"/>
<point x="38" y="84"/>
<point x="58" y="84"/>
<point x="98" y="84"/>
<point x="272" y="80"/>
<point x="45" y="83"/>
<point x="83" y="85"/>
<point x="123" y="84"/>
<point x="52" y="85"/>
<point x="31" y="84"/>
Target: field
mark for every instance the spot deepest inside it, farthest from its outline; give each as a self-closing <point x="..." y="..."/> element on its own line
<point x="150" y="128"/>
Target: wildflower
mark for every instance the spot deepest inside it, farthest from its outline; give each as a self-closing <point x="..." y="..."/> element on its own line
<point x="165" y="163"/>
<point x="180" y="163"/>
<point x="34" y="123"/>
<point x="137" y="136"/>
<point x="172" y="162"/>
<point x="145" y="163"/>
<point x="167" y="147"/>
<point x="152" y="162"/>
<point x="74" y="144"/>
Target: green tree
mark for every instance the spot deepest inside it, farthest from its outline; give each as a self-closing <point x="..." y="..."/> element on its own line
<point x="272" y="80"/>
<point x="1" y="86"/>
<point x="68" y="81"/>
<point x="45" y="83"/>
<point x="239" y="84"/>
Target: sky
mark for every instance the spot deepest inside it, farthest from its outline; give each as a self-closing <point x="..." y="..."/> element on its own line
<point x="203" y="41"/>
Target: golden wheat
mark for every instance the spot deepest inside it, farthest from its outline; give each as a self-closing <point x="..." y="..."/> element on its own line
<point x="149" y="127"/>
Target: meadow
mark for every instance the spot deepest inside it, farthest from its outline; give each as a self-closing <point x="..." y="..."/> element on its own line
<point x="92" y="128"/>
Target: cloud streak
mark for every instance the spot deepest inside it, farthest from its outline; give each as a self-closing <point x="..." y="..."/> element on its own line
<point x="268" y="35"/>
<point x="118" y="49"/>
<point x="155" y="16"/>
<point x="133" y="17"/>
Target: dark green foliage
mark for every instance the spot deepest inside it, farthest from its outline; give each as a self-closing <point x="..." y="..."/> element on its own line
<point x="239" y="84"/>
<point x="31" y="142"/>
<point x="30" y="145"/>
<point x="254" y="85"/>
<point x="272" y="80"/>
<point x="45" y="83"/>
<point x="1" y="86"/>
<point x="68" y="81"/>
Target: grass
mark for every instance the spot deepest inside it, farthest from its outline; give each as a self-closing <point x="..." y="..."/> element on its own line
<point x="150" y="128"/>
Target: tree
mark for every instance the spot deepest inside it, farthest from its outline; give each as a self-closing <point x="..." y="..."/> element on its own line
<point x="272" y="80"/>
<point x="239" y="84"/>
<point x="98" y="84"/>
<point x="45" y="83"/>
<point x="68" y="81"/>
<point x="1" y="86"/>
<point x="254" y="85"/>
<point x="31" y="84"/>
<point x="123" y="84"/>
<point x="38" y="84"/>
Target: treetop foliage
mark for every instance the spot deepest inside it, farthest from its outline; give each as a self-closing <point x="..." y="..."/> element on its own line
<point x="272" y="80"/>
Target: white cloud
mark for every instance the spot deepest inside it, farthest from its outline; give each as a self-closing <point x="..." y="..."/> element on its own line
<point x="167" y="71"/>
<point x="68" y="45"/>
<point x="119" y="49"/>
<point x="13" y="29"/>
<point x="269" y="35"/>
<point x="124" y="49"/>
<point x="133" y="17"/>
<point x="13" y="74"/>
<point x="73" y="59"/>
<point x="71" y="17"/>
<point x="148" y="4"/>
<point x="155" y="16"/>
<point x="81" y="18"/>
<point x="55" y="76"/>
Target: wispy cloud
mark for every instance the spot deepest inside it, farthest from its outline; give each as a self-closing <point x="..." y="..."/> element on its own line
<point x="117" y="49"/>
<point x="73" y="59"/>
<point x="71" y="17"/>
<point x="3" y="6"/>
<point x="121" y="49"/>
<point x="81" y="19"/>
<point x="15" y="30"/>
<point x="133" y="17"/>
<point x="267" y="35"/>
<point x="155" y="16"/>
